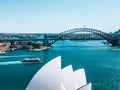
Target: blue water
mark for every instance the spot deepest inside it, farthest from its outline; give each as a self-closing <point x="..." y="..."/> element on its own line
<point x="101" y="63"/>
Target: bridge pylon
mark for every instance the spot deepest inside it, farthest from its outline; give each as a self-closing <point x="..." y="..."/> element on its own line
<point x="45" y="41"/>
<point x="114" y="42"/>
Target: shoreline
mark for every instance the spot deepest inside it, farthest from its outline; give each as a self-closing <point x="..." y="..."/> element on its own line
<point x="4" y="47"/>
<point x="2" y="52"/>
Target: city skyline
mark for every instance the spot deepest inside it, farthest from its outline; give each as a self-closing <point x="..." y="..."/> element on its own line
<point x="53" y="16"/>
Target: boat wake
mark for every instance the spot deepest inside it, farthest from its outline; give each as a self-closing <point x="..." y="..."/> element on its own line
<point x="13" y="56"/>
<point x="10" y="63"/>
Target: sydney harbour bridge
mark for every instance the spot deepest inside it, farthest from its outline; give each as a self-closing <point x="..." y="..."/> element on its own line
<point x="50" y="39"/>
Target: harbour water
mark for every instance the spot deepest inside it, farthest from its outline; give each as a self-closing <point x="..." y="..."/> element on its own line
<point x="101" y="64"/>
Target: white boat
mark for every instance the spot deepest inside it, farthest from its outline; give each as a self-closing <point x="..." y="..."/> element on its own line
<point x="31" y="60"/>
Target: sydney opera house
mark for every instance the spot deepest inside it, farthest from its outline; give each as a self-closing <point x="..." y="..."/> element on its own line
<point x="52" y="77"/>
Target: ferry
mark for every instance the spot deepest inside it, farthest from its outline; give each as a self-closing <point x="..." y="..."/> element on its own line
<point x="31" y="60"/>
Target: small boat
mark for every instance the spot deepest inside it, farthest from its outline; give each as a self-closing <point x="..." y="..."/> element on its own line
<point x="31" y="60"/>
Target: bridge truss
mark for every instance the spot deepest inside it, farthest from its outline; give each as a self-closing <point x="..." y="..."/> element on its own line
<point x="51" y="39"/>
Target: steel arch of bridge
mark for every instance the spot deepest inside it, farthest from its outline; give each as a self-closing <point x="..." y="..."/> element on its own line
<point x="59" y="36"/>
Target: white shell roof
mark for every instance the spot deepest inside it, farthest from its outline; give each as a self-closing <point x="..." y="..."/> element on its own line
<point x="52" y="77"/>
<point x="67" y="78"/>
<point x="48" y="77"/>
<point x="80" y="78"/>
<point x="86" y="87"/>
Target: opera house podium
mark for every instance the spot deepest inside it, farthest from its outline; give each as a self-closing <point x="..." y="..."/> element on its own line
<point x="52" y="77"/>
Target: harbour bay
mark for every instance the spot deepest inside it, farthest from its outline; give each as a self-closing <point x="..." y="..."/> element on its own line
<point x="101" y="63"/>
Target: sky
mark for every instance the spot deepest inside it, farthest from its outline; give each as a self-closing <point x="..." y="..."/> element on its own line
<point x="54" y="16"/>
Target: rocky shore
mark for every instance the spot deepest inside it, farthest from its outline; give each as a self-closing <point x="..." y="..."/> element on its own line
<point x="31" y="46"/>
<point x="4" y="47"/>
